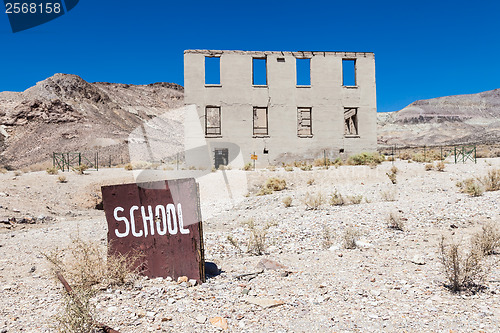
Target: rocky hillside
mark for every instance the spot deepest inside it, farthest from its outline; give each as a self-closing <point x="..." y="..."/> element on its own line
<point x="64" y="113"/>
<point x="458" y="119"/>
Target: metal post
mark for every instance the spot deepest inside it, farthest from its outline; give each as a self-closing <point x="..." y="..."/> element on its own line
<point x="455" y="155"/>
<point x="79" y="159"/>
<point x="425" y="155"/>
<point x="324" y="156"/>
<point x="177" y="160"/>
<point x="110" y="161"/>
<point x="68" y="160"/>
<point x="254" y="163"/>
<point x="441" y="154"/>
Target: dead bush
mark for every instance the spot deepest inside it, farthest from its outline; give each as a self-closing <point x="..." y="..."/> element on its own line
<point x="355" y="199"/>
<point x="488" y="239"/>
<point x="314" y="201"/>
<point x="287" y="201"/>
<point x="491" y="181"/>
<point x="327" y="238"/>
<point x="389" y="195"/>
<point x="62" y="179"/>
<point x="80" y="169"/>
<point x="429" y="167"/>
<point x="257" y="241"/>
<point x="52" y="171"/>
<point x="306" y="167"/>
<point x="440" y="166"/>
<point x="394" y="170"/>
<point x="310" y="181"/>
<point x="350" y="237"/>
<point x="392" y="177"/>
<point x="128" y="167"/>
<point x="395" y="221"/>
<point x="272" y="184"/>
<point x="86" y="264"/>
<point x="321" y="162"/>
<point x="463" y="268"/>
<point x="289" y="168"/>
<point x="471" y="186"/>
<point x="77" y="315"/>
<point x="336" y="199"/>
<point x="271" y="168"/>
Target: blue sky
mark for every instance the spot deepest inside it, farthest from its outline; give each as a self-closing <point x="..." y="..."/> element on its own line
<point x="423" y="49"/>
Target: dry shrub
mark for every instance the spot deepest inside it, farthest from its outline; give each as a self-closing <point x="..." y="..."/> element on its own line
<point x="350" y="237"/>
<point x="18" y="173"/>
<point x="338" y="162"/>
<point x="80" y="169"/>
<point x="394" y="170"/>
<point x="440" y="166"/>
<point x="392" y="177"/>
<point x="271" y="168"/>
<point x="272" y="184"/>
<point x="327" y="237"/>
<point x="289" y="168"/>
<point x="491" y="182"/>
<point x="321" y="162"/>
<point x="488" y="239"/>
<point x="314" y="201"/>
<point x="419" y="158"/>
<point x="257" y="241"/>
<point x="395" y="221"/>
<point x="128" y="167"/>
<point x="355" y="199"/>
<point x="336" y="199"/>
<point x="470" y="186"/>
<point x="366" y="159"/>
<point x="306" y="167"/>
<point x="299" y="164"/>
<point x="287" y="201"/>
<point x="62" y="179"/>
<point x="429" y="167"/>
<point x="405" y="156"/>
<point x="310" y="181"/>
<point x="389" y="195"/>
<point x="463" y="268"/>
<point x="52" y="171"/>
<point x="86" y="264"/>
<point x="78" y="313"/>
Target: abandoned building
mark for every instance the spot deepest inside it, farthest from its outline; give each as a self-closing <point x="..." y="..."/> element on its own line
<point x="282" y="106"/>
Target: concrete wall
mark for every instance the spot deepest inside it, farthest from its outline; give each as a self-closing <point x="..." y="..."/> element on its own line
<point x="326" y="95"/>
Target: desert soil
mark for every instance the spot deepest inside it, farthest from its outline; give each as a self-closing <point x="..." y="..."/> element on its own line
<point x="393" y="281"/>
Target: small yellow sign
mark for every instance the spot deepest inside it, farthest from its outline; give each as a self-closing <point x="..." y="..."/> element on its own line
<point x="254" y="157"/>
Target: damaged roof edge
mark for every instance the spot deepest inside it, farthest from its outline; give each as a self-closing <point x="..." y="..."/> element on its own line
<point x="304" y="54"/>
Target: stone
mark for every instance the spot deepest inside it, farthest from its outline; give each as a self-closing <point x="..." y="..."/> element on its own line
<point x="182" y="279"/>
<point x="219" y="322"/>
<point x="265" y="303"/>
<point x="201" y="319"/>
<point x="418" y="260"/>
<point x="192" y="282"/>
<point x="268" y="264"/>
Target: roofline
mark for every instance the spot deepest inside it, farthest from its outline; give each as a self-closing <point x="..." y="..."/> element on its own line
<point x="294" y="53"/>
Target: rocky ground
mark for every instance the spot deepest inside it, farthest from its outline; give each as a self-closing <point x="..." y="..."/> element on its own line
<point x="392" y="282"/>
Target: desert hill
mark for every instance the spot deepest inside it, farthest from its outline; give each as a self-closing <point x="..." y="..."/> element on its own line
<point x="473" y="118"/>
<point x="64" y="113"/>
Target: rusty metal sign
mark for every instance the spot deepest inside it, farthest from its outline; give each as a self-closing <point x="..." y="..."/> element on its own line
<point x="253" y="157"/>
<point x="160" y="219"/>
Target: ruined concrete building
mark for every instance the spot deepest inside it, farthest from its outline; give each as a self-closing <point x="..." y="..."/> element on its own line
<point x="282" y="106"/>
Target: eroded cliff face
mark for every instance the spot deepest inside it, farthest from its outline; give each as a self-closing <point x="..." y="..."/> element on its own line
<point x="458" y="119"/>
<point x="65" y="113"/>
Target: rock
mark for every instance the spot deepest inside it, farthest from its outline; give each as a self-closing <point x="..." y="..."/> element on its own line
<point x="200" y="319"/>
<point x="182" y="279"/>
<point x="363" y="244"/>
<point x="418" y="260"/>
<point x="265" y="303"/>
<point x="334" y="248"/>
<point x="219" y="322"/>
<point x="112" y="309"/>
<point x="192" y="282"/>
<point x="211" y="269"/>
<point x="32" y="269"/>
<point x="166" y="318"/>
<point x="268" y="264"/>
<point x="3" y="194"/>
<point x="150" y="314"/>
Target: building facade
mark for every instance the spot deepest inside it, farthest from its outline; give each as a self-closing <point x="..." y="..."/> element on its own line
<point x="282" y="106"/>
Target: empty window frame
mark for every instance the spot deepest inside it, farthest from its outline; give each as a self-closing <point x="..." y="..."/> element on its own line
<point x="351" y="121"/>
<point x="349" y="72"/>
<point x="260" y="121"/>
<point x="212" y="70"/>
<point x="303" y="69"/>
<point x="221" y="157"/>
<point x="304" y="122"/>
<point x="212" y="120"/>
<point x="259" y="71"/>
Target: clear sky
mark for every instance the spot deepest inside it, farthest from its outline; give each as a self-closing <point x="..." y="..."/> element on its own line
<point x="423" y="49"/>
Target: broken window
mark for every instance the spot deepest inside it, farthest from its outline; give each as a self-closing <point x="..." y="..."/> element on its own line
<point x="349" y="72"/>
<point x="260" y="121"/>
<point x="259" y="69"/>
<point x="303" y="67"/>
<point x="212" y="70"/>
<point x="212" y="120"/>
<point x="221" y="157"/>
<point x="351" y="121"/>
<point x="304" y="125"/>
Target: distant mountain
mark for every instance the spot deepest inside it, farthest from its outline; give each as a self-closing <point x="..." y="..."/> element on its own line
<point x="64" y="113"/>
<point x="460" y="119"/>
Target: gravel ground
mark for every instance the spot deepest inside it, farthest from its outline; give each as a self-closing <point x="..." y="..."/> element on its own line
<point x="392" y="282"/>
